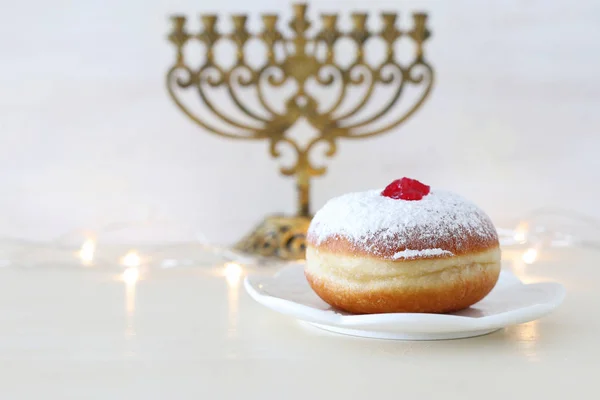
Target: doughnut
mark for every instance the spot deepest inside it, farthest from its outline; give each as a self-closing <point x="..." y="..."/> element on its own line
<point x="404" y="249"/>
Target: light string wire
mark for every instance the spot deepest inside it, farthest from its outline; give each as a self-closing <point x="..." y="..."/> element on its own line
<point x="541" y="229"/>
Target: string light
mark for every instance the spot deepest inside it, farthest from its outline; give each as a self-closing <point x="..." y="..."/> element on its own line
<point x="131" y="259"/>
<point x="520" y="234"/>
<point x="233" y="273"/>
<point x="529" y="256"/>
<point x="131" y="275"/>
<point x="87" y="251"/>
<point x="540" y="229"/>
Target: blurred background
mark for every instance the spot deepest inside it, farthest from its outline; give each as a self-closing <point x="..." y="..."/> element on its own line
<point x="88" y="135"/>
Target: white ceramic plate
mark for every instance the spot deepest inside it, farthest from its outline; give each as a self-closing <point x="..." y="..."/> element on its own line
<point x="510" y="302"/>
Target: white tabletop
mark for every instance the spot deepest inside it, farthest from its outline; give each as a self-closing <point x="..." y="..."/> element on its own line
<point x="189" y="333"/>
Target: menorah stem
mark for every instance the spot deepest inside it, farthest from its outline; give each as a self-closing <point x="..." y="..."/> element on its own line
<point x="303" y="188"/>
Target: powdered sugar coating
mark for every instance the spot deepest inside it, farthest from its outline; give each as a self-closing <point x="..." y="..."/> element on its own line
<point x="410" y="254"/>
<point x="439" y="225"/>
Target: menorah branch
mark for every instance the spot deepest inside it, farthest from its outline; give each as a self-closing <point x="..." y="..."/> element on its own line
<point x="234" y="80"/>
<point x="173" y="80"/>
<point x="403" y="117"/>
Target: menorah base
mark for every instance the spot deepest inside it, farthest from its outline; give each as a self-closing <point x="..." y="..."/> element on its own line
<point x="277" y="236"/>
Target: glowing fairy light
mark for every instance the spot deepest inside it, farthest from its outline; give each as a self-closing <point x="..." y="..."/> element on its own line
<point x="520" y="234"/>
<point x="87" y="251"/>
<point x="233" y="273"/>
<point x="529" y="256"/>
<point x="131" y="259"/>
<point x="131" y="275"/>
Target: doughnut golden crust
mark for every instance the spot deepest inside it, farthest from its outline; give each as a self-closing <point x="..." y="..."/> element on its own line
<point x="370" y="254"/>
<point x="367" y="285"/>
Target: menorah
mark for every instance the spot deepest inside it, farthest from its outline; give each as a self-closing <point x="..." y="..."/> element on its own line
<point x="307" y="57"/>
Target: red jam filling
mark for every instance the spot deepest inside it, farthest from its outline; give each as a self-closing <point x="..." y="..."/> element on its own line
<point x="406" y="189"/>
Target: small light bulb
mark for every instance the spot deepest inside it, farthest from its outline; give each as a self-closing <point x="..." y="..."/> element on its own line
<point x="233" y="272"/>
<point x="131" y="275"/>
<point x="86" y="253"/>
<point x="520" y="235"/>
<point x="530" y="256"/>
<point x="131" y="259"/>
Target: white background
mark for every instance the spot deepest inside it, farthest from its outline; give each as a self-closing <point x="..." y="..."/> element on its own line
<point x="88" y="135"/>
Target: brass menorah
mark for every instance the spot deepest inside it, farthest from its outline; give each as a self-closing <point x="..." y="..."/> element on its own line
<point x="282" y="236"/>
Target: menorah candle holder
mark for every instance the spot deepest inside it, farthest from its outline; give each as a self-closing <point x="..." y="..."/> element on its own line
<point x="300" y="57"/>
